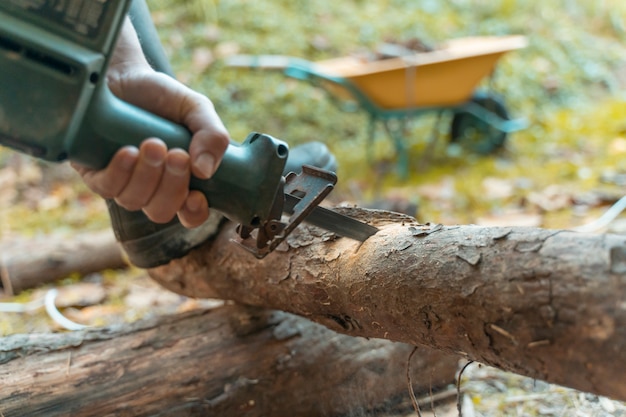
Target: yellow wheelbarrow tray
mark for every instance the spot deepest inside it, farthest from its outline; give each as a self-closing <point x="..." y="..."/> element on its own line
<point x="405" y="86"/>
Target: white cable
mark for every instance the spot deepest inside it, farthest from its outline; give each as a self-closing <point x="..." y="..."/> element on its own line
<point x="56" y="315"/>
<point x="21" y="307"/>
<point x="605" y="219"/>
<point x="51" y="309"/>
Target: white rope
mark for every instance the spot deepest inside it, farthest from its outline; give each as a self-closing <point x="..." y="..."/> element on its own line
<point x="48" y="302"/>
<point x="21" y="307"/>
<point x="56" y="315"/>
<point x="605" y="219"/>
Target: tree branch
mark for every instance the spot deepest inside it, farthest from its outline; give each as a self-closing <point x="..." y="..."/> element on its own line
<point x="542" y="303"/>
<point x="230" y="361"/>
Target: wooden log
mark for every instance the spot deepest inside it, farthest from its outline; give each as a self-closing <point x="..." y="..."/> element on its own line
<point x="230" y="361"/>
<point x="549" y="304"/>
<point x="29" y="263"/>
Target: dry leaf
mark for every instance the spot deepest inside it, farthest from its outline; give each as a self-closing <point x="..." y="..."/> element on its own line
<point x="497" y="188"/>
<point x="80" y="295"/>
<point x="443" y="190"/>
<point x="202" y="59"/>
<point x="617" y="145"/>
<point x="141" y="297"/>
<point x="226" y="49"/>
<point x="551" y="199"/>
<point x="97" y="315"/>
<point x="511" y="219"/>
<point x="212" y="33"/>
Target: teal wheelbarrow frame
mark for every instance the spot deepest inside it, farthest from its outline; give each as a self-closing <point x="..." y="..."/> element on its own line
<point x="481" y="124"/>
<point x="394" y="90"/>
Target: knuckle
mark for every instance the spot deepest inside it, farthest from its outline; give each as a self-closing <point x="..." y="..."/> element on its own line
<point x="221" y="138"/>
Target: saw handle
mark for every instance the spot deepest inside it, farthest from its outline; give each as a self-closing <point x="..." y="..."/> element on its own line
<point x="244" y="186"/>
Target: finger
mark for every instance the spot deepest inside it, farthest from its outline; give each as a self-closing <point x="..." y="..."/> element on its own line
<point x="173" y="189"/>
<point x="210" y="139"/>
<point x="109" y="182"/>
<point x="195" y="211"/>
<point x="185" y="106"/>
<point x="81" y="169"/>
<point x="145" y="177"/>
<point x="206" y="150"/>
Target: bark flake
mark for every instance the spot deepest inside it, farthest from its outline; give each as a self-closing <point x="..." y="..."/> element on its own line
<point x="424" y="230"/>
<point x="469" y="254"/>
<point x="532" y="246"/>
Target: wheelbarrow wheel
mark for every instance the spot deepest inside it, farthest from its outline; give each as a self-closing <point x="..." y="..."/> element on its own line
<point x="476" y="134"/>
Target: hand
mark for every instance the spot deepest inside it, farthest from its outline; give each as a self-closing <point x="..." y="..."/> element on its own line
<point x="152" y="178"/>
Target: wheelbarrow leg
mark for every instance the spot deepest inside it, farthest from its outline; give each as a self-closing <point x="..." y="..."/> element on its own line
<point x="371" y="132"/>
<point x="397" y="136"/>
<point x="430" y="145"/>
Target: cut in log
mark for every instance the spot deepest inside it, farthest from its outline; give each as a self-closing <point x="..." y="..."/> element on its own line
<point x="28" y="264"/>
<point x="230" y="361"/>
<point x="547" y="304"/>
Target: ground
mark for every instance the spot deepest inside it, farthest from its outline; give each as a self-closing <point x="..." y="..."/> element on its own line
<point x="564" y="170"/>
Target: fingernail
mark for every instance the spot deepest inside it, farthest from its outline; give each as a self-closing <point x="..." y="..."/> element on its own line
<point x="176" y="166"/>
<point x="153" y="157"/>
<point x="205" y="163"/>
<point x="128" y="158"/>
<point x="193" y="203"/>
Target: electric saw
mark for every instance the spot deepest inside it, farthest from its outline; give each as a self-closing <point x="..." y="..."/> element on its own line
<point x="55" y="105"/>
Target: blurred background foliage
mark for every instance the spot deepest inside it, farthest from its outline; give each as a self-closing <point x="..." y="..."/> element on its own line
<point x="567" y="83"/>
<point x="561" y="171"/>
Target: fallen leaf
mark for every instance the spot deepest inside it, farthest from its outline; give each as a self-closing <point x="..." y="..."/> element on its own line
<point x="617" y="145"/>
<point x="97" y="315"/>
<point x="202" y="59"/>
<point x="497" y="188"/>
<point x="552" y="198"/>
<point x="80" y="295"/>
<point x="141" y="297"/>
<point x="443" y="190"/>
<point x="226" y="49"/>
<point x="320" y="42"/>
<point x="212" y="33"/>
<point x="511" y="219"/>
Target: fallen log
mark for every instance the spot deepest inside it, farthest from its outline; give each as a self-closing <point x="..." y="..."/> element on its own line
<point x="549" y="304"/>
<point x="29" y="263"/>
<point x="229" y="361"/>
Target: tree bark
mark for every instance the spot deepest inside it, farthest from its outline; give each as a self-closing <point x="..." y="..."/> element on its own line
<point x="28" y="264"/>
<point x="230" y="361"/>
<point x="549" y="304"/>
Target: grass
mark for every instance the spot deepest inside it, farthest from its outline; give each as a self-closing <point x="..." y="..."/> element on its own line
<point x="568" y="84"/>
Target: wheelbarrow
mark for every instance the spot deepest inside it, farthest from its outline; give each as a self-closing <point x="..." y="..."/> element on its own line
<point x="392" y="90"/>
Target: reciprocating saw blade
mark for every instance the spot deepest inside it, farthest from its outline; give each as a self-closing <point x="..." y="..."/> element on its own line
<point x="332" y="221"/>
